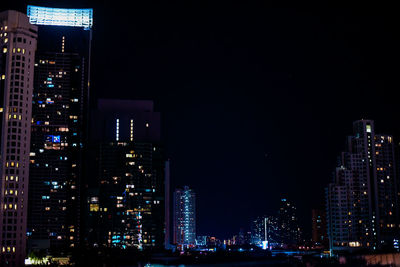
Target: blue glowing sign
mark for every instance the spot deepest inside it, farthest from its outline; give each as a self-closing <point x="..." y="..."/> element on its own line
<point x="56" y="139"/>
<point x="61" y="16"/>
<point x="53" y="138"/>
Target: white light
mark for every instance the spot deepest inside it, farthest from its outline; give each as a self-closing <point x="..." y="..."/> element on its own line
<point x="264" y="245"/>
<point x="117" y="131"/>
<point x="61" y="16"/>
<point x="131" y="130"/>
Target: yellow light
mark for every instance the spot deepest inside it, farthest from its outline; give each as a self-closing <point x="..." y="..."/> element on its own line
<point x="94" y="207"/>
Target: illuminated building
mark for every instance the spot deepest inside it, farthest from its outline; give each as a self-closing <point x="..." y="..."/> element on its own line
<point x="319" y="234"/>
<point x="265" y="230"/>
<point x="288" y="227"/>
<point x="184" y="220"/>
<point x="362" y="204"/>
<point x="59" y="122"/>
<point x="281" y="231"/>
<point x="201" y="240"/>
<point x="17" y="55"/>
<point x="126" y="205"/>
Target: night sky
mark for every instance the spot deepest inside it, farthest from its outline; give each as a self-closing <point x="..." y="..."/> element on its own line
<point x="256" y="101"/>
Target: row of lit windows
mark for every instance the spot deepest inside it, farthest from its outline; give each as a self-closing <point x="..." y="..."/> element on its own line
<point x="8" y="249"/>
<point x="11" y="206"/>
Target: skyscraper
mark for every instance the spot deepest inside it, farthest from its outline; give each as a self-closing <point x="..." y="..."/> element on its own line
<point x="59" y="125"/>
<point x="265" y="231"/>
<point x="184" y="221"/>
<point x="319" y="234"/>
<point x="362" y="201"/>
<point x="18" y="45"/>
<point x="288" y="225"/>
<point x="126" y="205"/>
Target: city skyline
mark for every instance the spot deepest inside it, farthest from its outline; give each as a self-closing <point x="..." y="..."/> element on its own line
<point x="219" y="114"/>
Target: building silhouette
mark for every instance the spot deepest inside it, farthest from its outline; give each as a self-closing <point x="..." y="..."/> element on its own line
<point x="17" y="56"/>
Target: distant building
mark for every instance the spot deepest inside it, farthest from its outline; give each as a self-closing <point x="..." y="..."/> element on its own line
<point x="288" y="225"/>
<point x="243" y="238"/>
<point x="201" y="240"/>
<point x="280" y="231"/>
<point x="212" y="241"/>
<point x="184" y="220"/>
<point x="209" y="241"/>
<point x="126" y="200"/>
<point x="259" y="230"/>
<point x="264" y="231"/>
<point x="362" y="200"/>
<point x="17" y="57"/>
<point x="319" y="231"/>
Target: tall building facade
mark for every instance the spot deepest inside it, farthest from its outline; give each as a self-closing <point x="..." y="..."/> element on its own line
<point x="265" y="231"/>
<point x="126" y="204"/>
<point x="319" y="232"/>
<point x="184" y="218"/>
<point x="362" y="201"/>
<point x="288" y="225"/>
<point x="17" y="55"/>
<point x="59" y="125"/>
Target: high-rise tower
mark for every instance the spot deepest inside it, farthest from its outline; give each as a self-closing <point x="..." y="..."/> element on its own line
<point x="319" y="235"/>
<point x="184" y="221"/>
<point x="126" y="205"/>
<point x="17" y="56"/>
<point x="362" y="201"/>
<point x="265" y="231"/>
<point x="59" y="125"/>
<point x="288" y="225"/>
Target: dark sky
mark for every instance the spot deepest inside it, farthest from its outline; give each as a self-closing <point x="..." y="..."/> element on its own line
<point x="256" y="101"/>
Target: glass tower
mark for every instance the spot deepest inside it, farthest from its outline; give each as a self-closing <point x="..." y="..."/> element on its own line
<point x="59" y="125"/>
<point x="184" y="217"/>
<point x="126" y="203"/>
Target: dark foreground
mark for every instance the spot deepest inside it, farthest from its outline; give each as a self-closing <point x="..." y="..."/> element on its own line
<point x="223" y="258"/>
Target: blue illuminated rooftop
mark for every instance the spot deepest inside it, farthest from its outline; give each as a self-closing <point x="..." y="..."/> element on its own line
<point x="61" y="16"/>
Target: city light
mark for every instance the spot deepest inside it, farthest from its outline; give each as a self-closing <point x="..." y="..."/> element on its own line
<point x="264" y="245"/>
<point x="61" y="16"/>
